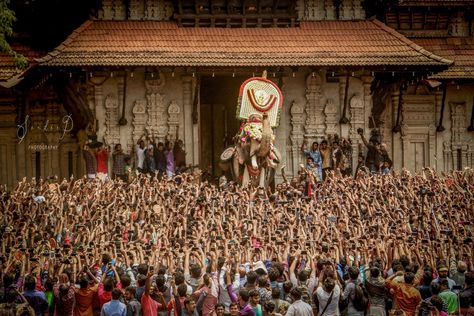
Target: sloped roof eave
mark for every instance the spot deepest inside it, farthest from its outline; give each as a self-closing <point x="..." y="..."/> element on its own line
<point x="154" y="43"/>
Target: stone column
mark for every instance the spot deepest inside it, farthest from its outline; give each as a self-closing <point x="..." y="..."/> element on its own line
<point x="397" y="150"/>
<point x="191" y="139"/>
<point x="440" y="150"/>
<point x="297" y="134"/>
<point x="315" y="118"/>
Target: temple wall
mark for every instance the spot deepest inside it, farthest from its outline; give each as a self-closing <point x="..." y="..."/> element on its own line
<point x="163" y="105"/>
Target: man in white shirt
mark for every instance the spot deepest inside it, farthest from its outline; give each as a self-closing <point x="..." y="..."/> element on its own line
<point x="298" y="308"/>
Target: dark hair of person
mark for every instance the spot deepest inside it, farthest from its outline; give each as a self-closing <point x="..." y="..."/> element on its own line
<point x="269" y="307"/>
<point x="109" y="284"/>
<point x="262" y="281"/>
<point x="427" y="278"/>
<point x="374" y="272"/>
<point x="437" y="302"/>
<point x="116" y="294"/>
<point x="244" y="295"/>
<point x="469" y="278"/>
<point x="30" y="283"/>
<point x="141" y="280"/>
<point x="296" y="293"/>
<point x="276" y="293"/>
<point x="125" y="280"/>
<point x="83" y="282"/>
<point x="195" y="271"/>
<point x="252" y="277"/>
<point x="409" y="277"/>
<point x="273" y="274"/>
<point x="435" y="289"/>
<point x="353" y="273"/>
<point x="132" y="290"/>
<point x="329" y="284"/>
<point x="182" y="289"/>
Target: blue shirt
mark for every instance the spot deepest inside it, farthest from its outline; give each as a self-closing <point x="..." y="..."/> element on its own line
<point x="316" y="156"/>
<point x="114" y="308"/>
<point x="37" y="301"/>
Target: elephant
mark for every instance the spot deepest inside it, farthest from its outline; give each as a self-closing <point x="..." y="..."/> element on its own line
<point x="253" y="158"/>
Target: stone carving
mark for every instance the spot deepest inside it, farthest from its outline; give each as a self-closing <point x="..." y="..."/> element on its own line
<point x="330" y="10"/>
<point x="174" y="117"/>
<point x="158" y="10"/>
<point x="346" y="10"/>
<point x="331" y="113"/>
<point x="315" y="119"/>
<point x="139" y="119"/>
<point x="113" y="10"/>
<point x="136" y="10"/>
<point x="155" y="85"/>
<point x="313" y="10"/>
<point x="458" y="128"/>
<point x="157" y="116"/>
<point x="297" y="133"/>
<point x="112" y="131"/>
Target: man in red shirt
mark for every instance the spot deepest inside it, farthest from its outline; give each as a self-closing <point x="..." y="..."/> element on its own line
<point x="102" y="158"/>
<point x="106" y="286"/>
<point x="150" y="307"/>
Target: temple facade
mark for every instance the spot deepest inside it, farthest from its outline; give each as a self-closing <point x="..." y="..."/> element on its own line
<point x="172" y="70"/>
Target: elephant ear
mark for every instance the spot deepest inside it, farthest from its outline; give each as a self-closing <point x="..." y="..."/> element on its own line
<point x="227" y="154"/>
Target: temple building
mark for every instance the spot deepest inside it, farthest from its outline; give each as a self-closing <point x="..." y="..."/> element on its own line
<point x="172" y="70"/>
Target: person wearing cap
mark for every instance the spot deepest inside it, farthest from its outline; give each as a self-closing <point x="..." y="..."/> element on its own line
<point x="443" y="274"/>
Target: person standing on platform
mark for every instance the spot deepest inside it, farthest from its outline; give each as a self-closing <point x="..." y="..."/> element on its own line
<point x="119" y="158"/>
<point x="102" y="158"/>
<point x="88" y="155"/>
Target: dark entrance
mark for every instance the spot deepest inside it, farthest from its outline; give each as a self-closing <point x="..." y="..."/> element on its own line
<point x="218" y="98"/>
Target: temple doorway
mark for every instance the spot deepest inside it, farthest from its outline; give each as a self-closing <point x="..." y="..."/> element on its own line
<point x="218" y="122"/>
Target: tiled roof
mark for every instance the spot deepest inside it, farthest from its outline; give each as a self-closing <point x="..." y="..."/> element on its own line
<point x="459" y="49"/>
<point x="8" y="67"/>
<point x="431" y="3"/>
<point x="154" y="43"/>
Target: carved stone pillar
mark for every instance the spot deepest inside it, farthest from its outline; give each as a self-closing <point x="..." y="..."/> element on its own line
<point x="332" y="117"/>
<point x="136" y="10"/>
<point x="313" y="10"/>
<point x="191" y="131"/>
<point x="156" y="109"/>
<point x="112" y="132"/>
<point x="432" y="145"/>
<point x="330" y="9"/>
<point x="346" y="10"/>
<point x="397" y="150"/>
<point x="359" y="13"/>
<point x="315" y="118"/>
<point x="297" y="134"/>
<point x="158" y="10"/>
<point x="458" y="128"/>
<point x="139" y="120"/>
<point x="98" y="100"/>
<point x="356" y="110"/>
<point x="174" y="117"/>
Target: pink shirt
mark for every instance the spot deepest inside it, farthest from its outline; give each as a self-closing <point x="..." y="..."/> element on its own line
<point x="149" y="306"/>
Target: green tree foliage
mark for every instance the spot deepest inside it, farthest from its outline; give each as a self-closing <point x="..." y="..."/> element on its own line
<point x="7" y="18"/>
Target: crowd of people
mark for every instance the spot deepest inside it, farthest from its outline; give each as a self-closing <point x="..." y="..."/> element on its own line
<point x="369" y="245"/>
<point x="335" y="153"/>
<point x="149" y="157"/>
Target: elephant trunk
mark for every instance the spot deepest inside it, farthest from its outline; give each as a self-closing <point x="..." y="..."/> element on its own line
<point x="267" y="138"/>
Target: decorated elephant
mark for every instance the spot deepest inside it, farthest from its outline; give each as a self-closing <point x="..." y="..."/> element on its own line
<point x="254" y="158"/>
